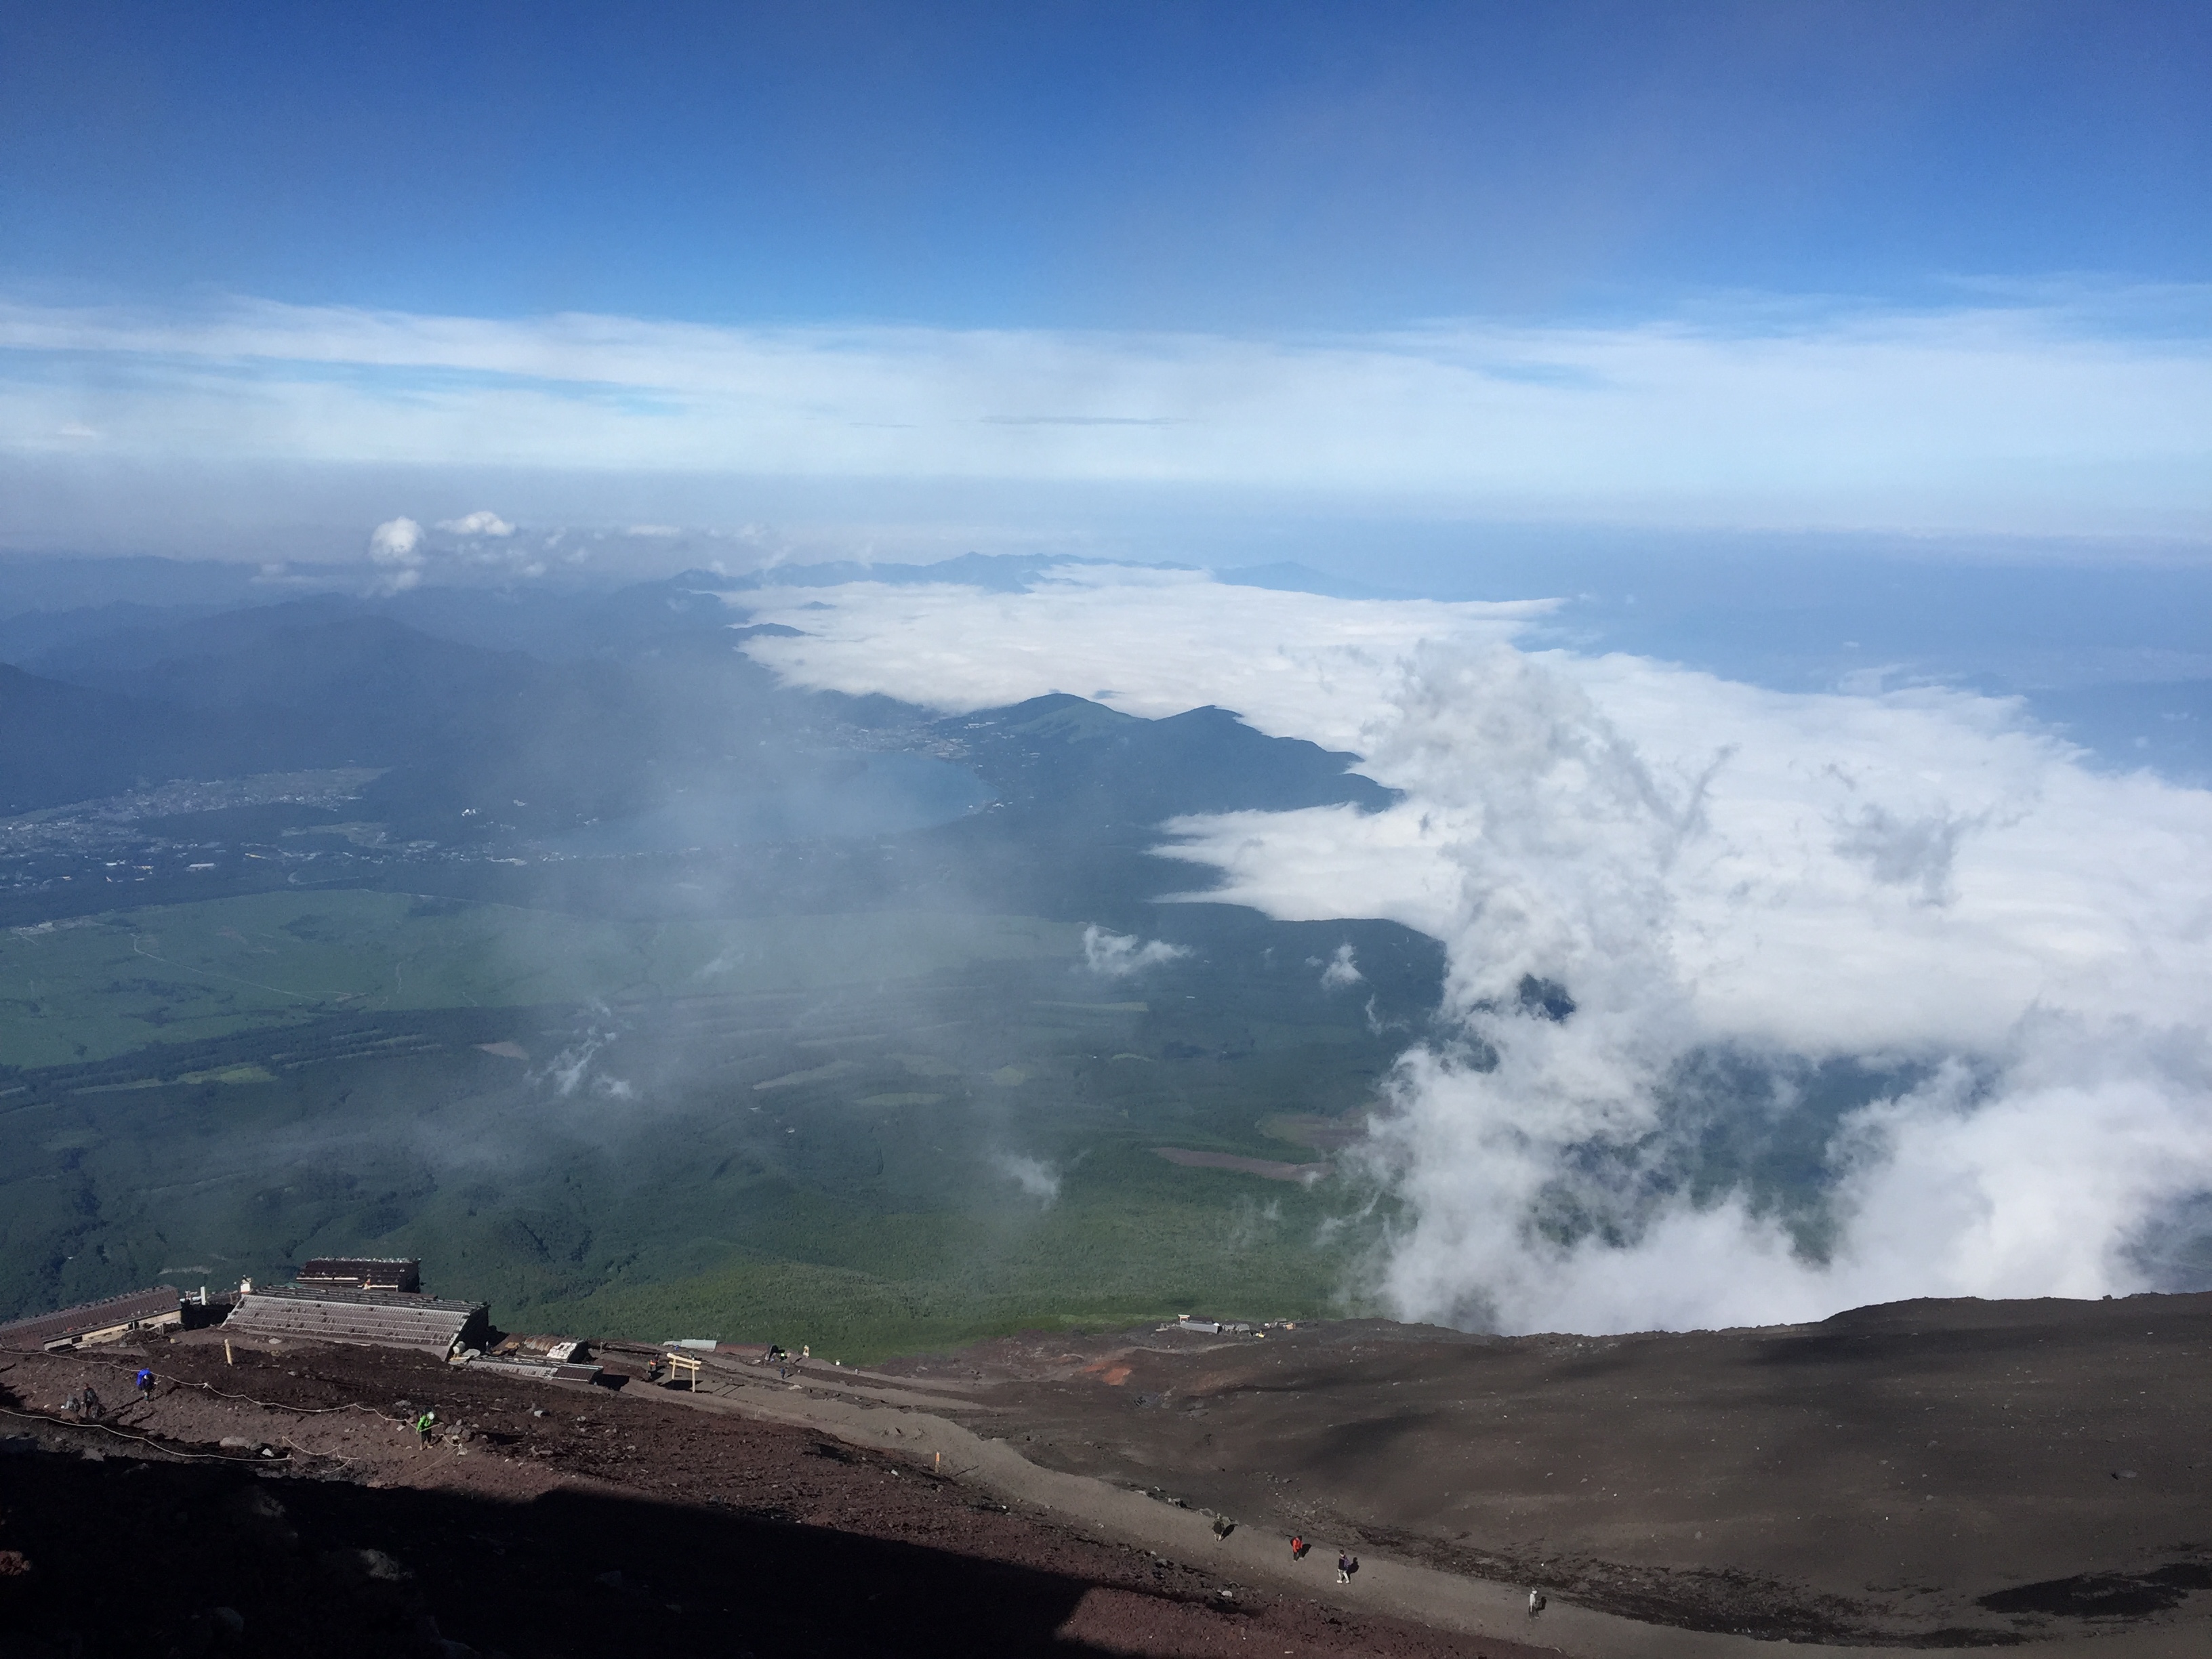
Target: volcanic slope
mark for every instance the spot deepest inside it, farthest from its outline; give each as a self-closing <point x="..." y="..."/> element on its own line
<point x="1924" y="1473"/>
<point x="281" y="1504"/>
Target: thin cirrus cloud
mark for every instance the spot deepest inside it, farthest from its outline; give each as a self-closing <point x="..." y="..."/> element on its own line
<point x="2034" y="418"/>
<point x="1734" y="886"/>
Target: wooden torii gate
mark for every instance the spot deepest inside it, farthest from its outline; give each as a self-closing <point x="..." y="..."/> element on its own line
<point x="682" y="1364"/>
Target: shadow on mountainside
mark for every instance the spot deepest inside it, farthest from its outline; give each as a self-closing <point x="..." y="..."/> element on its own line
<point x="118" y="1556"/>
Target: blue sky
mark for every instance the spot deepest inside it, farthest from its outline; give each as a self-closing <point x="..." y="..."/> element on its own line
<point x="1147" y="279"/>
<point x="1215" y="167"/>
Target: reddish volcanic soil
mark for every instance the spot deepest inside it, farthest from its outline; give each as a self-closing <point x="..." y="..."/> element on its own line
<point x="1926" y="1475"/>
<point x="558" y="1519"/>
<point x="1946" y="1472"/>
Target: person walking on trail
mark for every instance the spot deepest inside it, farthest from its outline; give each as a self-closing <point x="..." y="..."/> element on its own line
<point x="1298" y="1548"/>
<point x="1343" y="1568"/>
<point x="145" y="1384"/>
<point x="1535" y="1602"/>
<point x="423" y="1426"/>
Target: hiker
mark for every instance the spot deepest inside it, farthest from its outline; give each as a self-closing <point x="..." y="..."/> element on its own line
<point x="87" y="1404"/>
<point x="423" y="1426"/>
<point x="1298" y="1548"/>
<point x="145" y="1383"/>
<point x="1535" y="1602"/>
<point x="1343" y="1568"/>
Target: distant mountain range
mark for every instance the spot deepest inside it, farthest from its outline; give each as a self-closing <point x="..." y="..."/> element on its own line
<point x="533" y="716"/>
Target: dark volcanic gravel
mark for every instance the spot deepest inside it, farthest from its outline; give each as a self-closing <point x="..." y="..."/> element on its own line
<point x="609" y="1522"/>
<point x="1948" y="1472"/>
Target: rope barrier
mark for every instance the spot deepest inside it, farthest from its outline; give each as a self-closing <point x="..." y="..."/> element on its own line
<point x="188" y="1383"/>
<point x="142" y="1438"/>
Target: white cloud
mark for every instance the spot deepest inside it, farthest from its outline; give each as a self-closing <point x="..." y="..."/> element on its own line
<point x="2033" y="420"/>
<point x="480" y="542"/>
<point x="1296" y="668"/>
<point x="396" y="541"/>
<point x="571" y="1065"/>
<point x="1916" y="880"/>
<point x="1033" y="1176"/>
<point x="477" y="523"/>
<point x="396" y="547"/>
<point x="1341" y="971"/>
<point x="1119" y="955"/>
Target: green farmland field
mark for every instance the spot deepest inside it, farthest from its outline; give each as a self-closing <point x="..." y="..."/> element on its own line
<point x="100" y="986"/>
<point x="870" y="1132"/>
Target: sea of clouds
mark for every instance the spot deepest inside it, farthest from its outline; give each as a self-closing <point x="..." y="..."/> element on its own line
<point x="1919" y="882"/>
<point x="2051" y="414"/>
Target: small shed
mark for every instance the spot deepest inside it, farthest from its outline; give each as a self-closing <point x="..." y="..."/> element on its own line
<point x="365" y="1273"/>
<point x="109" y="1321"/>
<point x="559" y="1349"/>
<point x="562" y="1358"/>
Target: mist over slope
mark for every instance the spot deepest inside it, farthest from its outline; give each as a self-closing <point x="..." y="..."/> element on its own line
<point x="559" y="943"/>
<point x="1907" y="935"/>
<point x="1663" y="999"/>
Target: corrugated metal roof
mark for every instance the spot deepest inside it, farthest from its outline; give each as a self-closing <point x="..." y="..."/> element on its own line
<point x="519" y="1365"/>
<point x="392" y="1319"/>
<point x="392" y="1272"/>
<point x="360" y="1296"/>
<point x="133" y="1307"/>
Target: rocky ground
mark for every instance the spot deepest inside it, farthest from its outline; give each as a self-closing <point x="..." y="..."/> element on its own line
<point x="278" y="1502"/>
<point x="1925" y="1473"/>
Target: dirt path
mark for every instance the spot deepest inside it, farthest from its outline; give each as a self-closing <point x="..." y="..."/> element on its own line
<point x="286" y="1490"/>
<point x="2048" y="1453"/>
<point x="821" y="1398"/>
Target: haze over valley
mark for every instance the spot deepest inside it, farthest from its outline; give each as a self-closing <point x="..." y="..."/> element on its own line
<point x="457" y="920"/>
